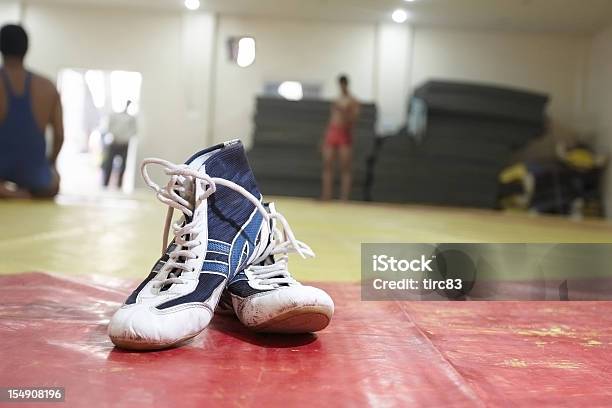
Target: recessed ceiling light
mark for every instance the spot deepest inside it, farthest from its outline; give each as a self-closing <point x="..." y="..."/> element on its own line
<point x="409" y="1"/>
<point x="192" y="4"/>
<point x="399" y="16"/>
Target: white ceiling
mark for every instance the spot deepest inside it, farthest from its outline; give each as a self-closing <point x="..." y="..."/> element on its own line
<point x="530" y="15"/>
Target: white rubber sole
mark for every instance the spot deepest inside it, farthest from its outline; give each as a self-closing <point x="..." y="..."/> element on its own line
<point x="144" y="345"/>
<point x="306" y="319"/>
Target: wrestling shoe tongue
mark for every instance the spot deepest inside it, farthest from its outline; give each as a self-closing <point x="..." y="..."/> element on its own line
<point x="197" y="162"/>
<point x="200" y="158"/>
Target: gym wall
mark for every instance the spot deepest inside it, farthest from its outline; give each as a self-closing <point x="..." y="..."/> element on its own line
<point x="550" y="63"/>
<point x="181" y="54"/>
<point x="599" y="100"/>
<point x="149" y="42"/>
<point x="308" y="50"/>
<point x="10" y="12"/>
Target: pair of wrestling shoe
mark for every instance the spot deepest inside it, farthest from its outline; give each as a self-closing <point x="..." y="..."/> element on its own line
<point x="229" y="245"/>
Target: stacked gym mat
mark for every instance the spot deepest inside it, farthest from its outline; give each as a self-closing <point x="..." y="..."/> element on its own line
<point x="470" y="133"/>
<point x="286" y="155"/>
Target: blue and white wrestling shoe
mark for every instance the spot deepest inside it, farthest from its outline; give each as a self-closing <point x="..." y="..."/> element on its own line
<point x="224" y="228"/>
<point x="264" y="295"/>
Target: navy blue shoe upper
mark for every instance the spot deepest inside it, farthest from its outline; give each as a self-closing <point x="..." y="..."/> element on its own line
<point x="234" y="223"/>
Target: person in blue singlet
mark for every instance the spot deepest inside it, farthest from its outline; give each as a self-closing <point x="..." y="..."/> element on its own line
<point x="29" y="104"/>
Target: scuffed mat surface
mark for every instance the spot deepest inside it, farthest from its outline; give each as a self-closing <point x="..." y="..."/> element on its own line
<point x="525" y="353"/>
<point x="380" y="354"/>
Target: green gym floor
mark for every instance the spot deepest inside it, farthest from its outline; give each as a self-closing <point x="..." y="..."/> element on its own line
<point x="116" y="235"/>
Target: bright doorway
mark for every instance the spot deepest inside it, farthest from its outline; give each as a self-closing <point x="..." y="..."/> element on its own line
<point x="89" y="98"/>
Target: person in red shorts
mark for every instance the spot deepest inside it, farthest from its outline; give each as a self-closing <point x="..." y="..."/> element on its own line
<point x="337" y="144"/>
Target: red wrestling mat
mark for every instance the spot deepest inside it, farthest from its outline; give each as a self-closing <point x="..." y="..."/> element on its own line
<point x="53" y="333"/>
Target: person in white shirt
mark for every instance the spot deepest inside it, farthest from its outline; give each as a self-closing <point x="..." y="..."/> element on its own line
<point x="121" y="128"/>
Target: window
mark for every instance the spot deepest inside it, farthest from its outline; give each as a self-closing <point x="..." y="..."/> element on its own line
<point x="125" y="86"/>
<point x="242" y="51"/>
<point x="95" y="83"/>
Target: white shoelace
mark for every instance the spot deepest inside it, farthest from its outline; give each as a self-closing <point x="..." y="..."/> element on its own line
<point x="183" y="180"/>
<point x="283" y="242"/>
